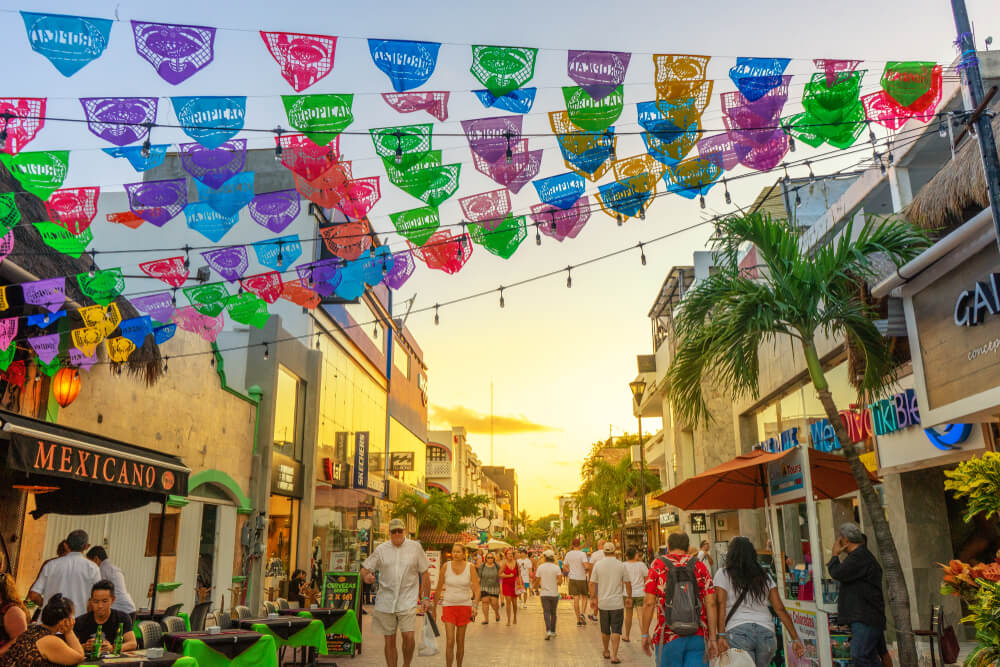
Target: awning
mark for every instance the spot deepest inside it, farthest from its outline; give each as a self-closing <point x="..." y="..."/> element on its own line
<point x="88" y="474"/>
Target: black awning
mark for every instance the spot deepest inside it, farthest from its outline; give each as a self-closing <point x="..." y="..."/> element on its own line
<point x="90" y="474"/>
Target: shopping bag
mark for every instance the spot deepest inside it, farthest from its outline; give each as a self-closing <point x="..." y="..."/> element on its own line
<point x="734" y="657"/>
<point x="428" y="642"/>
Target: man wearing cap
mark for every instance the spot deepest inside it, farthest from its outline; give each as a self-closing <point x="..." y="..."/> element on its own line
<point x="609" y="584"/>
<point x="548" y="576"/>
<point x="399" y="562"/>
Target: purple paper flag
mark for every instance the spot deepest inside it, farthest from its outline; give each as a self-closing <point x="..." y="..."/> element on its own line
<point x="720" y="149"/>
<point x="8" y="329"/>
<point x="49" y="293"/>
<point x="561" y="224"/>
<point x="515" y="173"/>
<point x="598" y="72"/>
<point x="230" y="263"/>
<point x="493" y="138"/>
<point x="46" y="347"/>
<point x="159" y="306"/>
<point x="81" y="360"/>
<point x="402" y="268"/>
<point x="119" y="120"/>
<point x="760" y="113"/>
<point x="157" y="202"/>
<point x="274" y="211"/>
<point x="176" y="51"/>
<point x="321" y="276"/>
<point x="213" y="167"/>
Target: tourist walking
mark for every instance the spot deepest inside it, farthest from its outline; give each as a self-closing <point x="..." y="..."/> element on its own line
<point x="509" y="578"/>
<point x="548" y="577"/>
<point x="742" y="591"/>
<point x="861" y="604"/>
<point x="525" y="566"/>
<point x="458" y="595"/>
<point x="609" y="584"/>
<point x="679" y="589"/>
<point x="399" y="564"/>
<point x="489" y="586"/>
<point x="71" y="575"/>
<point x="636" y="571"/>
<point x="575" y="567"/>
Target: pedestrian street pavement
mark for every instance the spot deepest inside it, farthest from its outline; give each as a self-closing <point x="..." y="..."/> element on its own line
<point x="521" y="645"/>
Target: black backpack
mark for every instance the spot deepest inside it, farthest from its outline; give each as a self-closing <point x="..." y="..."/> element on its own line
<point x="681" y="604"/>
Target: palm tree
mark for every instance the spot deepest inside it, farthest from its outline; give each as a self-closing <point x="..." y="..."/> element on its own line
<point x="726" y="317"/>
<point x="610" y="491"/>
<point x="434" y="511"/>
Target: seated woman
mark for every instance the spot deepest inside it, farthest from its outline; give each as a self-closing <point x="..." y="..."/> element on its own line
<point x="12" y="612"/>
<point x="41" y="645"/>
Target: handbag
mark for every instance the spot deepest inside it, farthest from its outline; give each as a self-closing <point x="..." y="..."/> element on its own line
<point x="428" y="642"/>
<point x="734" y="657"/>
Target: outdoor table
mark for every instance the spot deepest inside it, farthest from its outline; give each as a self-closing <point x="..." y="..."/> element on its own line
<point x="239" y="648"/>
<point x="291" y="631"/>
<point x="335" y="621"/>
<point x="137" y="659"/>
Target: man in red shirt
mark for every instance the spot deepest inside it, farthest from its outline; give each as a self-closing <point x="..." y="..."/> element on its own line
<point x="692" y="650"/>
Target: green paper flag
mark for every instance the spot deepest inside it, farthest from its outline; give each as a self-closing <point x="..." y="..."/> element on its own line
<point x="208" y="299"/>
<point x="10" y="215"/>
<point x="427" y="179"/>
<point x="833" y="114"/>
<point x="906" y="82"/>
<point x="7" y="356"/>
<point x="41" y="173"/>
<point x="103" y="286"/>
<point x="409" y="176"/>
<point x="590" y="114"/>
<point x="60" y="239"/>
<point x="50" y="368"/>
<point x="417" y="224"/>
<point x="503" y="69"/>
<point x="504" y="239"/>
<point x="319" y="117"/>
<point x="404" y="144"/>
<point x="248" y="308"/>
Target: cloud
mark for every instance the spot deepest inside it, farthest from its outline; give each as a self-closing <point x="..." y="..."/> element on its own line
<point x="477" y="422"/>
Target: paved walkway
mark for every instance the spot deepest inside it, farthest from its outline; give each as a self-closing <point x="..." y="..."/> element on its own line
<point x="522" y="645"/>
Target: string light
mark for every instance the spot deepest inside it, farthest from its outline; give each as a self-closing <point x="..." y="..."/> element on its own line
<point x="166" y="364"/>
<point x="437" y="320"/>
<point x="147" y="145"/>
<point x="798" y="200"/>
<point x="7" y="117"/>
<point x="278" y="148"/>
<point x="399" y="147"/>
<point x="729" y="199"/>
<point x="891" y="160"/>
<point x="812" y="176"/>
<point x="538" y="234"/>
<point x="211" y="361"/>
<point x="618" y="217"/>
<point x="569" y="276"/>
<point x="93" y="263"/>
<point x="701" y="201"/>
<point x="642" y="255"/>
<point x="510" y="153"/>
<point x="786" y="179"/>
<point x="942" y="130"/>
<point x="318" y="339"/>
<point x="501" y="296"/>
<point x="187" y="257"/>
<point x="642" y="212"/>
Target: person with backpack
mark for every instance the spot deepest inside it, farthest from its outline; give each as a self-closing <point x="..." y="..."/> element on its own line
<point x="679" y="588"/>
<point x="743" y="590"/>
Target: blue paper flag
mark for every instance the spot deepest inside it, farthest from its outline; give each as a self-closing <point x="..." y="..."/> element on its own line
<point x="366" y="269"/>
<point x="279" y="253"/>
<point x="407" y="64"/>
<point x="516" y="101"/>
<point x="162" y="334"/>
<point x="157" y="153"/>
<point x="622" y="198"/>
<point x="137" y="328"/>
<point x="69" y="42"/>
<point x="45" y="319"/>
<point x="210" y="120"/>
<point x="208" y="222"/>
<point x="560" y="191"/>
<point x="229" y="197"/>
<point x="692" y="178"/>
<point x="756" y="76"/>
<point x="674" y="151"/>
<point x="590" y="160"/>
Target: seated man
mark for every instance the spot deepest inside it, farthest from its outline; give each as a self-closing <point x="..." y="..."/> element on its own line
<point x="102" y="596"/>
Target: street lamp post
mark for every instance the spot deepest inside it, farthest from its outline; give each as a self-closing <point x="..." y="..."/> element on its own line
<point x="638" y="388"/>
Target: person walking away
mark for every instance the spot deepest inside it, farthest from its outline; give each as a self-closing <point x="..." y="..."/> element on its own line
<point x="609" y="584"/>
<point x="13" y="614"/>
<point x="742" y="592"/>
<point x="575" y="566"/>
<point x="705" y="554"/>
<point x="399" y="563"/>
<point x="595" y="556"/>
<point x="636" y="571"/>
<point x="861" y="604"/>
<point x="509" y="578"/>
<point x="41" y="644"/>
<point x="524" y="568"/>
<point x="548" y="577"/>
<point x="458" y="594"/>
<point x="103" y="614"/>
<point x="71" y="575"/>
<point x="489" y="585"/>
<point x="111" y="572"/>
<point x="679" y="590"/>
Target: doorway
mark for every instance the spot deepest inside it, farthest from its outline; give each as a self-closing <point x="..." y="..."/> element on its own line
<point x="207" y="548"/>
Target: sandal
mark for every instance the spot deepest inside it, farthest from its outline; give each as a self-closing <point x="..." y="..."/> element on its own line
<point x="616" y="661"/>
<point x="607" y="656"/>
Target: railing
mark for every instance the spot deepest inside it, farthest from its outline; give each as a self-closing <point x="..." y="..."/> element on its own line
<point x="439" y="468"/>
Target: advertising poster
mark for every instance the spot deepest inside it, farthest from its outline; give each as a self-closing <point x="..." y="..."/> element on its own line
<point x="434" y="558"/>
<point x="338" y="560"/>
<point x="805" y="626"/>
<point x="342" y="590"/>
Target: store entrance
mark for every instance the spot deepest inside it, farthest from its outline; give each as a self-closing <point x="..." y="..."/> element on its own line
<point x="207" y="547"/>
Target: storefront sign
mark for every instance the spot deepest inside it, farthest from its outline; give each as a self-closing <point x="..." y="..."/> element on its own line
<point x="33" y="455"/>
<point x="361" y="460"/>
<point x="805" y="626"/>
<point x="286" y="476"/>
<point x="785" y="475"/>
<point x="668" y="518"/>
<point x="402" y="461"/>
<point x="341" y="590"/>
<point x="789" y="438"/>
<point x="335" y="473"/>
<point x="972" y="305"/>
<point x="699" y="524"/>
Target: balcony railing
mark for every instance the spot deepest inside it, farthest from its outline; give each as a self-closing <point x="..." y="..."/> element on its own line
<point x="439" y="468"/>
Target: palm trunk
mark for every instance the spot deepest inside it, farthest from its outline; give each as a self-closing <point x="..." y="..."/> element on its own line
<point x="899" y="598"/>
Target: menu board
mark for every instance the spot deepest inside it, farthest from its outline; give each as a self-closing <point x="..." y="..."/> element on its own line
<point x="342" y="590"/>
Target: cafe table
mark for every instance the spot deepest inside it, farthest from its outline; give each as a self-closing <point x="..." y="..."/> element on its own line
<point x="235" y="648"/>
<point x="138" y="659"/>
<point x="335" y="621"/>
<point x="290" y="631"/>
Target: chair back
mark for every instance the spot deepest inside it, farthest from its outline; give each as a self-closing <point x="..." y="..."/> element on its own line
<point x="224" y="620"/>
<point x="243" y="611"/>
<point x="270" y="607"/>
<point x="210" y="619"/>
<point x="283" y="603"/>
<point x="173" y="624"/>
<point x="198" y="614"/>
<point x="151" y="634"/>
<point x="172" y="610"/>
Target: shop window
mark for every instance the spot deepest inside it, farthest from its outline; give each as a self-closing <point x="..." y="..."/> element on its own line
<point x="282" y="533"/>
<point x="437" y="453"/>
<point x="288" y="408"/>
<point x="400" y="359"/>
<point x="169" y="545"/>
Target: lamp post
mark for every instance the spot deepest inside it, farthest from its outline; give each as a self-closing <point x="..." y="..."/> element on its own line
<point x="638" y="388"/>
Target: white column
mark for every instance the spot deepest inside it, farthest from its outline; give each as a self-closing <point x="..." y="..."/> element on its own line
<point x="900" y="188"/>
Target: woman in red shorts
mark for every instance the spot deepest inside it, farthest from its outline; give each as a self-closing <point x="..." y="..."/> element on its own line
<point x="508" y="582"/>
<point x="458" y="595"/>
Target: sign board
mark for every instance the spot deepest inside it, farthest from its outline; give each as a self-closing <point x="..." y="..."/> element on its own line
<point x="341" y="590"/>
<point x="785" y="476"/>
<point x="362" y="462"/>
<point x="338" y="560"/>
<point x="402" y="461"/>
<point x="286" y="476"/>
<point x="805" y="626"/>
<point x="699" y="524"/>
<point x="668" y="518"/>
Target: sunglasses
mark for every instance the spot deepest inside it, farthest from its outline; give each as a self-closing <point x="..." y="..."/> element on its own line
<point x="396" y="531"/>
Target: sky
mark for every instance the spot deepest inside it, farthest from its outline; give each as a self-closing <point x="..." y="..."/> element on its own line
<point x="558" y="360"/>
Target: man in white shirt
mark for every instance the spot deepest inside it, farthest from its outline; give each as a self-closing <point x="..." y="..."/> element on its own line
<point x="548" y="576"/>
<point x="72" y="575"/>
<point x="575" y="566"/>
<point x="609" y="584"/>
<point x="399" y="562"/>
<point x="595" y="557"/>
<point x="111" y="572"/>
<point x="524" y="568"/>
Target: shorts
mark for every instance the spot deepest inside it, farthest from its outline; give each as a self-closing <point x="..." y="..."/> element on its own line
<point x="636" y="602"/>
<point x="458" y="615"/>
<point x="611" y="621"/>
<point x="485" y="595"/>
<point x="578" y="587"/>
<point x="388" y="623"/>
<point x="527" y="584"/>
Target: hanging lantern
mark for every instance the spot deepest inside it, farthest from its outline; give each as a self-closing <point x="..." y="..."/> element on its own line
<point x="66" y="386"/>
